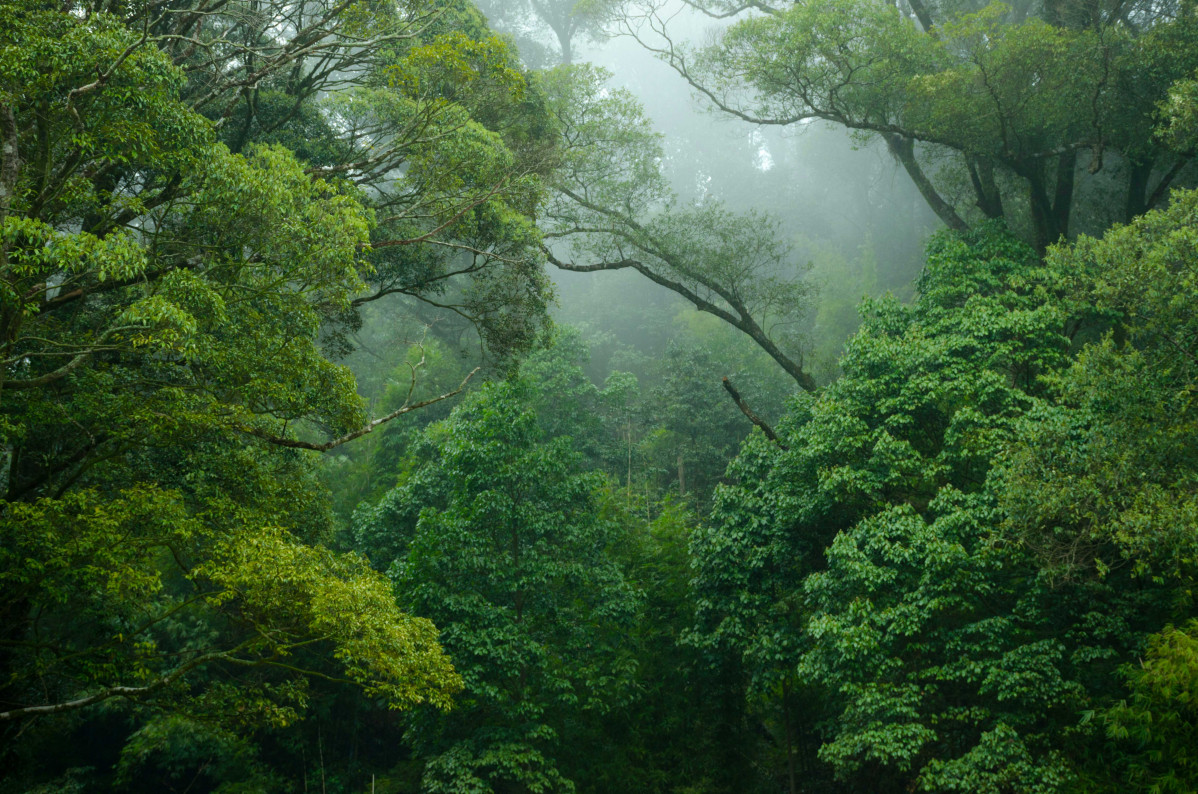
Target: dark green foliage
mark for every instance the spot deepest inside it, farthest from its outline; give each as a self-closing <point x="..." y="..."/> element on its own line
<point x="950" y="614"/>
<point x="964" y="565"/>
<point x="497" y="537"/>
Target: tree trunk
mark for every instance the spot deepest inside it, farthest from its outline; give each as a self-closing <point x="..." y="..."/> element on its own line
<point x="981" y="175"/>
<point x="904" y="150"/>
<point x="1044" y="231"/>
<point x="565" y="39"/>
<point x="1062" y="202"/>
<point x="1137" y="190"/>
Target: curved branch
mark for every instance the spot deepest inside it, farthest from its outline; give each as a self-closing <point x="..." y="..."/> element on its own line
<point x="742" y="320"/>
<point x="115" y="691"/>
<point x="50" y="377"/>
<point x="747" y="5"/>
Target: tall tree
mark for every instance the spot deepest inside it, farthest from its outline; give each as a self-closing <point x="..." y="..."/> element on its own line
<point x="567" y="20"/>
<point x="498" y="537"/>
<point x="171" y="277"/>
<point x="1014" y="103"/>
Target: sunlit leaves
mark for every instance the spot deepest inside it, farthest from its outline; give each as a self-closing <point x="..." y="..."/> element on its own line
<point x="296" y="593"/>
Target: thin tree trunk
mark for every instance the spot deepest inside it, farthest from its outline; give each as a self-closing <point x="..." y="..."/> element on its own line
<point x="790" y="754"/>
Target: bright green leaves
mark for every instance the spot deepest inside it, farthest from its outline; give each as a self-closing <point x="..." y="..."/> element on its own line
<point x="837" y="60"/>
<point x="1000" y="762"/>
<point x="1011" y="90"/>
<point x="456" y="64"/>
<point x="103" y="98"/>
<point x="138" y="575"/>
<point x="87" y="554"/>
<point x="904" y="636"/>
<point x="164" y="298"/>
<point x="1180" y="115"/>
<point x="294" y="593"/>
<point x="263" y="213"/>
<point x="1159" y="724"/>
<point x="894" y="557"/>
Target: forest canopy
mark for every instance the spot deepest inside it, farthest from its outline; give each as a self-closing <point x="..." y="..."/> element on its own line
<point x="388" y="404"/>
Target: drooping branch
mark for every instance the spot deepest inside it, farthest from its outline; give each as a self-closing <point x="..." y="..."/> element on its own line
<point x="742" y="320"/>
<point x="676" y="60"/>
<point x="754" y="418"/>
<point x="637" y="235"/>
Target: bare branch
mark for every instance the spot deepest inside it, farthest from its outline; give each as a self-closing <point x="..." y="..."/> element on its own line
<point x="742" y="320"/>
<point x="113" y="692"/>
<point x="369" y="428"/>
<point x="754" y="418"/>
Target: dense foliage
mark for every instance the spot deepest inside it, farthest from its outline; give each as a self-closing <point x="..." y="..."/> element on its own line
<point x="252" y="539"/>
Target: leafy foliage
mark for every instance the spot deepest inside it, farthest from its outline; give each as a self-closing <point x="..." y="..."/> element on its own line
<point x="497" y="537"/>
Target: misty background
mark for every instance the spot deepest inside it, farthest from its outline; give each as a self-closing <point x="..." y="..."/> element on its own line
<point x="854" y="222"/>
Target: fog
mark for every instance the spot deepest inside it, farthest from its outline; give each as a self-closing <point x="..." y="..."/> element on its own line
<point x="856" y="223"/>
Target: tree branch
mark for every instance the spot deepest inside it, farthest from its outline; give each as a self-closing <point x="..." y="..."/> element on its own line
<point x="903" y="148"/>
<point x="754" y="418"/>
<point x="369" y="428"/>
<point x="113" y="692"/>
<point x="741" y="321"/>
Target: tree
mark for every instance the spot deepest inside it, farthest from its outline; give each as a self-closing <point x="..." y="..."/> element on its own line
<point x="1009" y="100"/>
<point x="172" y="280"/>
<point x="970" y="533"/>
<point x="611" y="207"/>
<point x="1106" y="492"/>
<point x="567" y="20"/>
<point x="496" y="535"/>
<point x="906" y="435"/>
